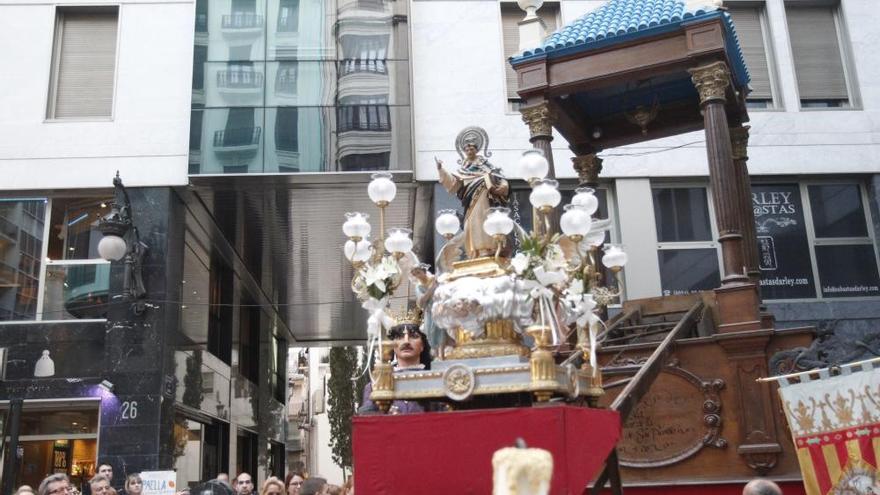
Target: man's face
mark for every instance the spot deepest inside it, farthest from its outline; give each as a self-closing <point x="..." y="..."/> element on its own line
<point x="408" y="345"/>
<point x="106" y="471"/>
<point x="244" y="484"/>
<point x="59" y="488"/>
<point x="101" y="488"/>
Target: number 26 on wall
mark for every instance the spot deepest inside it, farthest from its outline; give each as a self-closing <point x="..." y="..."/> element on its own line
<point x="129" y="409"/>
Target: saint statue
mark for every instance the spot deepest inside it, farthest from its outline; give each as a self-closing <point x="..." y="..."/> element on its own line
<point x="478" y="185"/>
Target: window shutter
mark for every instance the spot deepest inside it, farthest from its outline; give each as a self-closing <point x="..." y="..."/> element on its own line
<point x="816" y="51"/>
<point x="86" y="64"/>
<point x="751" y="40"/>
<point x="511" y="14"/>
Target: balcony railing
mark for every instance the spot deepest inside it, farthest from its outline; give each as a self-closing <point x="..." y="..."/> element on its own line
<point x="76" y="289"/>
<point x="243" y="136"/>
<point x="355" y="66"/>
<point x="239" y="79"/>
<point x="364" y="118"/>
<point x="242" y="20"/>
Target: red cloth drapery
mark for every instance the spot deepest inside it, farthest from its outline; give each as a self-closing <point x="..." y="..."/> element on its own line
<point x="443" y="453"/>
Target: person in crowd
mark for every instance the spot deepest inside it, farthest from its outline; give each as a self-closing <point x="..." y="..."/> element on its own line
<point x="244" y="484"/>
<point x="100" y="485"/>
<point x="106" y="470"/>
<point x="761" y="486"/>
<point x="54" y="484"/>
<point x="333" y="490"/>
<point x="412" y="351"/>
<point x="293" y="482"/>
<point x="213" y="487"/>
<point x="134" y="485"/>
<point x="223" y="477"/>
<point x="25" y="490"/>
<point x="272" y="486"/>
<point x="314" y="486"/>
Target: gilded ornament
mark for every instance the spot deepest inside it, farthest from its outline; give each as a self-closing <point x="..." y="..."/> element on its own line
<point x="739" y="142"/>
<point x="588" y="168"/>
<point x="458" y="382"/>
<point x="540" y="119"/>
<point x="711" y="81"/>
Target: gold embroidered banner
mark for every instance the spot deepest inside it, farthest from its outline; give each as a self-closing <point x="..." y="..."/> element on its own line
<point x="835" y="422"/>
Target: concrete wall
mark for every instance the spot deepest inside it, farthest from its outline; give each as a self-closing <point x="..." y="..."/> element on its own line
<point x="146" y="139"/>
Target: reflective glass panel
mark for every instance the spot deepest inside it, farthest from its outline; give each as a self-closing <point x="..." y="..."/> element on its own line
<point x="75" y="290"/>
<point x="837" y="210"/>
<point x="22" y="227"/>
<point x="683" y="271"/>
<point x="682" y="214"/>
<point x="783" y="247"/>
<point x="848" y="271"/>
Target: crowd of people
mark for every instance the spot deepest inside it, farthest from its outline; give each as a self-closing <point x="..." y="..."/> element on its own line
<point x="243" y="484"/>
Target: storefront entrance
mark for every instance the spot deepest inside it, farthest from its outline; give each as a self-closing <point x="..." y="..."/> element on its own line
<point x="55" y="437"/>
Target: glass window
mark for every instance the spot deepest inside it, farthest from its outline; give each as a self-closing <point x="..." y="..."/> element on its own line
<point x="84" y="62"/>
<point x="845" y="255"/>
<point x="817" y="55"/>
<point x="22" y="227"/>
<point x="783" y="246"/>
<point x="686" y="252"/>
<point x="837" y="210"/>
<point x="848" y="270"/>
<point x="683" y="271"/>
<point x="682" y="214"/>
<point x="749" y="22"/>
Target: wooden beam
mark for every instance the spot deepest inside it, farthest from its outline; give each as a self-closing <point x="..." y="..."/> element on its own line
<point x="630" y="396"/>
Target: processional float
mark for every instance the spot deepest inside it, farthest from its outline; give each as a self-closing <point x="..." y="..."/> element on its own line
<point x="505" y="300"/>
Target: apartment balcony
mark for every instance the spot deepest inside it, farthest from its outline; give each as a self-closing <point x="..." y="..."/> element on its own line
<point x="242" y="142"/>
<point x="239" y="82"/>
<point x="242" y="24"/>
<point x="361" y="66"/>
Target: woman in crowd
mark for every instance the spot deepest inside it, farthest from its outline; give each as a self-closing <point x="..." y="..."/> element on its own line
<point x="134" y="485"/>
<point x="294" y="482"/>
<point x="272" y="486"/>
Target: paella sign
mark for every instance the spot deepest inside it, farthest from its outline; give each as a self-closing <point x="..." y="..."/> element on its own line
<point x="835" y="423"/>
<point x="159" y="482"/>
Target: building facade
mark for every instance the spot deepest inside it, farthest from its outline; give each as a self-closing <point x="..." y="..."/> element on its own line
<point x="812" y="152"/>
<point x="239" y="129"/>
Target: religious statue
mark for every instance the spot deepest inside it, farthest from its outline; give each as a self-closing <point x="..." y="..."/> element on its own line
<point x="478" y="185"/>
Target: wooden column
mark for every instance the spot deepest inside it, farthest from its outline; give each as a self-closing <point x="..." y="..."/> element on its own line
<point x="712" y="81"/>
<point x="588" y="168"/>
<point x="739" y="141"/>
<point x="737" y="299"/>
<point x="540" y="119"/>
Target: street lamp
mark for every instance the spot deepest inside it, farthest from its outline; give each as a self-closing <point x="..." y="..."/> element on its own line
<point x="121" y="241"/>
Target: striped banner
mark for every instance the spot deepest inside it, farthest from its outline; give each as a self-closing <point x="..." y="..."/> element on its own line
<point x="835" y="422"/>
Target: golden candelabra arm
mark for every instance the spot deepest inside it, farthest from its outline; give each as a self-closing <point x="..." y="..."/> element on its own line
<point x="499" y="243"/>
<point x="382" y="205"/>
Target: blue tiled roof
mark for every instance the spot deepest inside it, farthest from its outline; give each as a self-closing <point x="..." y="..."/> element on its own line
<point x="623" y="20"/>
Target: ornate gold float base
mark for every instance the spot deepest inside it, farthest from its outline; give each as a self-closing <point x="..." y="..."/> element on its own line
<point x="499" y="339"/>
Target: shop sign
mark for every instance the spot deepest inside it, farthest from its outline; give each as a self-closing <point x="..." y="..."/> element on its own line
<point x="159" y="482"/>
<point x="783" y="247"/>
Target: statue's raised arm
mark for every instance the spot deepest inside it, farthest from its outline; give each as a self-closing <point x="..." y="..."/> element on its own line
<point x="478" y="185"/>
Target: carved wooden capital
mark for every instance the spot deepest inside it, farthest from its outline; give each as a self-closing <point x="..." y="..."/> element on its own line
<point x="711" y="81"/>
<point x="588" y="168"/>
<point x="540" y="119"/>
<point x="739" y="142"/>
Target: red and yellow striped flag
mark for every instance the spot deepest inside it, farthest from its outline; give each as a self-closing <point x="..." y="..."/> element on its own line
<point x="835" y="422"/>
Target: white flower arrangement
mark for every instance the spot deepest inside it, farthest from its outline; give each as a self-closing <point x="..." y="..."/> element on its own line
<point x="377" y="280"/>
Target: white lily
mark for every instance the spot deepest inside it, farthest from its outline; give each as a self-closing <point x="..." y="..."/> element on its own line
<point x="548" y="278"/>
<point x="520" y="262"/>
<point x="375" y="275"/>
